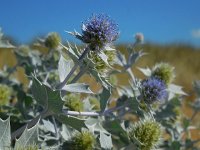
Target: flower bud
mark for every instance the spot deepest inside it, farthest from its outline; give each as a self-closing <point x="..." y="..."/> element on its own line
<point x="5" y="94"/>
<point x="100" y="65"/>
<point x="52" y="40"/>
<point x="73" y="102"/>
<point x="145" y="134"/>
<point x="139" y="38"/>
<point x="164" y="72"/>
<point x="83" y="141"/>
<point x="153" y="90"/>
<point x="99" y="31"/>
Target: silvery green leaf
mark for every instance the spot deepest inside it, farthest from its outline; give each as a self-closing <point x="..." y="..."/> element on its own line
<point x="3" y="43"/>
<point x="35" y="58"/>
<point x="77" y="87"/>
<point x="71" y="53"/>
<point x="196" y="85"/>
<point x="100" y="79"/>
<point x="134" y="56"/>
<point x="71" y="121"/>
<point x="105" y="141"/>
<point x="116" y="129"/>
<point x="125" y="91"/>
<point x="64" y="67"/>
<point x="174" y="90"/>
<point x="50" y="99"/>
<point x="108" y="48"/>
<point x="145" y="71"/>
<point x="48" y="126"/>
<point x="5" y="137"/>
<point x="39" y="92"/>
<point x="73" y="49"/>
<point x="66" y="132"/>
<point x="86" y="104"/>
<point x="104" y="97"/>
<point x="76" y="34"/>
<point x="84" y="27"/>
<point x="28" y="137"/>
<point x="55" y="103"/>
<point x="120" y="59"/>
<point x="167" y="111"/>
<point x="94" y="125"/>
<point x="6" y="45"/>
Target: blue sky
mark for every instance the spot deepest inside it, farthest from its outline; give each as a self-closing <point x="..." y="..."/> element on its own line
<point x="160" y="21"/>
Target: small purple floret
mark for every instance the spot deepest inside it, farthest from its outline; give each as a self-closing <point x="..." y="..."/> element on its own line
<point x="153" y="90"/>
<point x="99" y="30"/>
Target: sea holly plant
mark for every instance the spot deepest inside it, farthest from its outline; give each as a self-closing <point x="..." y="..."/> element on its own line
<point x="58" y="111"/>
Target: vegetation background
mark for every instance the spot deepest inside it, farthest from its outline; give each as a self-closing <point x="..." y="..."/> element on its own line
<point x="185" y="58"/>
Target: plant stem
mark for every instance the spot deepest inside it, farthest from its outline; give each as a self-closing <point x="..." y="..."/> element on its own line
<point x="62" y="84"/>
<point x="193" y="115"/>
<point x="30" y="124"/>
<point x="105" y="113"/>
<point x="79" y="75"/>
<point x="132" y="76"/>
<point x="76" y="113"/>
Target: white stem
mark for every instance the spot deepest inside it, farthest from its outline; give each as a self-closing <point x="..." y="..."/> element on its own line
<point x="132" y="76"/>
<point x="76" y="113"/>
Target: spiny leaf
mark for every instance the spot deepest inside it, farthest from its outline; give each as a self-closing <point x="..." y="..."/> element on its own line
<point x="28" y="137"/>
<point x="66" y="132"/>
<point x="47" y="97"/>
<point x="77" y="87"/>
<point x="145" y="71"/>
<point x="104" y="57"/>
<point x="95" y="125"/>
<point x="175" y="89"/>
<point x="55" y="103"/>
<point x="64" y="67"/>
<point x="5" y="137"/>
<point x="100" y="78"/>
<point x="74" y="122"/>
<point x="39" y="92"/>
<point x="105" y="141"/>
<point x="104" y="96"/>
<point x="134" y="57"/>
<point x="120" y="59"/>
<point x="48" y="126"/>
<point x="4" y="43"/>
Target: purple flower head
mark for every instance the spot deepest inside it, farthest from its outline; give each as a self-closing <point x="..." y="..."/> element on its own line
<point x="153" y="90"/>
<point x="98" y="31"/>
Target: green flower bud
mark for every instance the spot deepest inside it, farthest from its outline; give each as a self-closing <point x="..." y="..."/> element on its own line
<point x="164" y="72"/>
<point x="139" y="38"/>
<point x="145" y="134"/>
<point x="100" y="65"/>
<point x="73" y="102"/>
<point x="83" y="141"/>
<point x="52" y="40"/>
<point x="54" y="76"/>
<point x="5" y="94"/>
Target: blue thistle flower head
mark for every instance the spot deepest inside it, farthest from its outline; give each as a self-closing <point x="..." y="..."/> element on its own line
<point x="153" y="89"/>
<point x="99" y="31"/>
